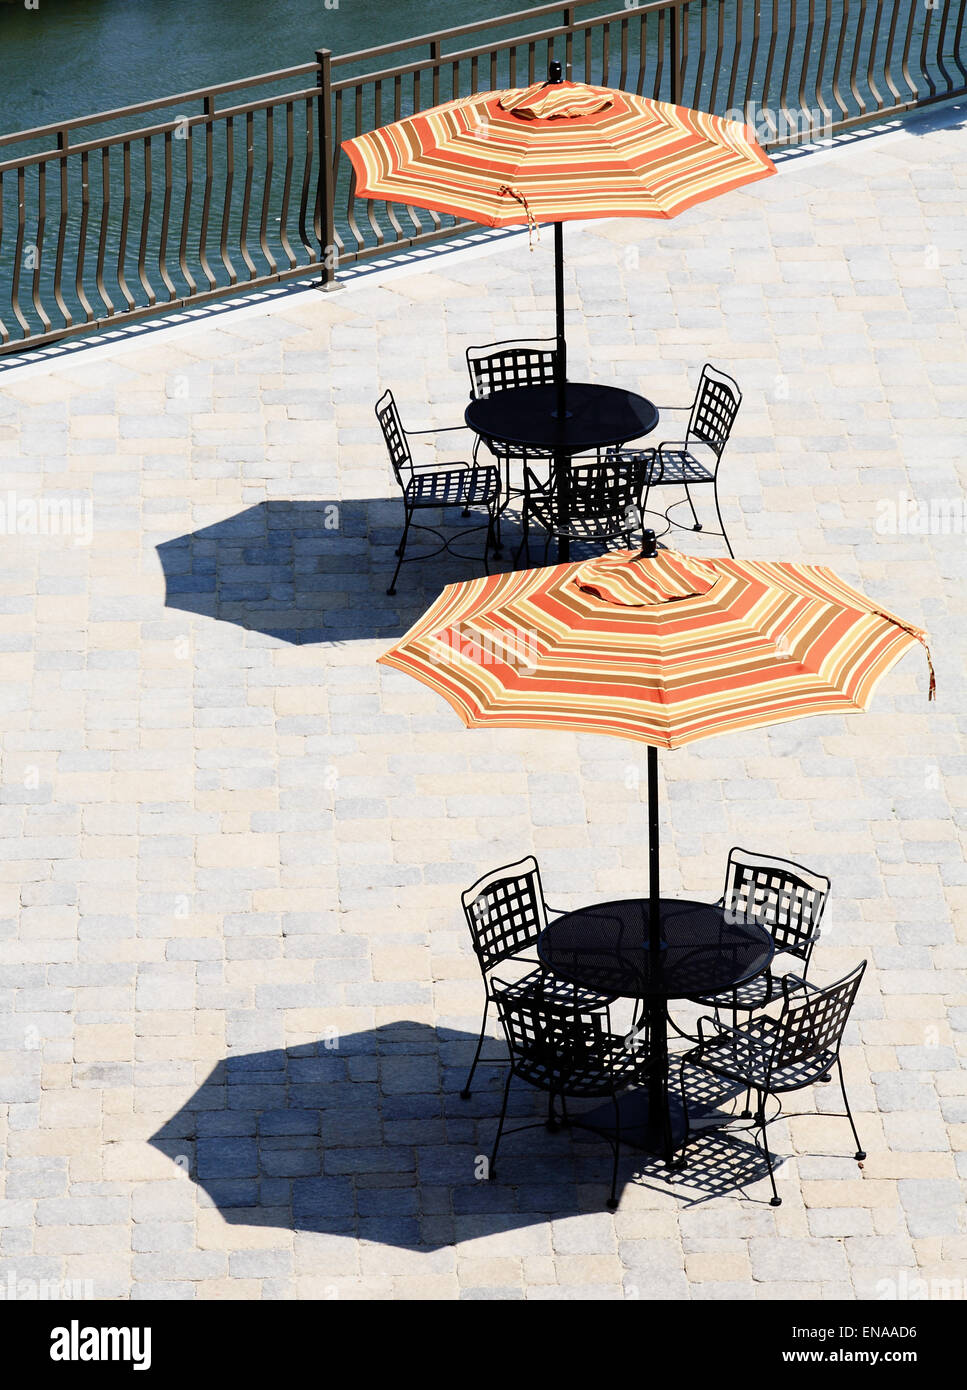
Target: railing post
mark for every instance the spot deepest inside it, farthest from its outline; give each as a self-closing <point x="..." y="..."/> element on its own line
<point x="676" y="56"/>
<point x="569" y="43"/>
<point x="326" y="193"/>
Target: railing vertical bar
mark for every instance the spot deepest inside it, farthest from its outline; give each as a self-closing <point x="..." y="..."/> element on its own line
<point x="436" y="48"/>
<point x="905" y="63"/>
<point x="247" y="194"/>
<point x="183" y="265"/>
<point x="39" y="246"/>
<point x="767" y="111"/>
<point x="941" y="37"/>
<point x="145" y="219"/>
<point x="888" y="55"/>
<point x="788" y="116"/>
<point x="307" y="177"/>
<point x="875" y="92"/>
<point x="958" y="36"/>
<point x="702" y="47"/>
<point x="860" y="30"/>
<point x="227" y="200"/>
<point x="63" y="144"/>
<point x="166" y="222"/>
<point x="19" y="250"/>
<point x="206" y="201"/>
<point x="736" y="52"/>
<point x="623" y="73"/>
<point x="821" y="68"/>
<point x="370" y="204"/>
<point x="79" y="290"/>
<point x="102" y="232"/>
<point x="660" y="55"/>
<point x="4" y="330"/>
<point x="719" y="54"/>
<point x="924" y="65"/>
<point x="804" y="68"/>
<point x="267" y="189"/>
<point x="605" y="55"/>
<point x="588" y="56"/>
<point x="838" y="61"/>
<point x="122" y="278"/>
<point x="753" y="57"/>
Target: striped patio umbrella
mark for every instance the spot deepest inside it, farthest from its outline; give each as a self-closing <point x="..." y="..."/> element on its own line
<point x="555" y="152"/>
<point x="661" y="648"/>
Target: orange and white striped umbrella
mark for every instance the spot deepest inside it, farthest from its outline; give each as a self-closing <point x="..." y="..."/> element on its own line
<point x="554" y="152"/>
<point x="666" y="650"/>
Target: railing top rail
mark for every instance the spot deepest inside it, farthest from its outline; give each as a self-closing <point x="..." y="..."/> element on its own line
<point x="517" y="41"/>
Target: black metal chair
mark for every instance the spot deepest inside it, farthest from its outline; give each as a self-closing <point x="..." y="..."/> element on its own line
<point x="677" y="464"/>
<point x="506" y="913"/>
<point x="500" y="367"/>
<point x="772" y="1056"/>
<point x="603" y="503"/>
<point x="786" y="899"/>
<point x="426" y="486"/>
<point x="565" y="1052"/>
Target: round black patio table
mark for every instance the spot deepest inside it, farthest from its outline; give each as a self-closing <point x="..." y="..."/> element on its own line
<point x="594" y="417"/>
<point x="704" y="951"/>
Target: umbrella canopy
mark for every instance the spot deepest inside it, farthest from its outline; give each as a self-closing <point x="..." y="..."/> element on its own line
<point x="554" y="152"/>
<point x="666" y="649"/>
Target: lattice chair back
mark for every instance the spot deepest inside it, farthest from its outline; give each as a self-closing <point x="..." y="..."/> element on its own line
<point x="551" y="1044"/>
<point x="815" y="1023"/>
<point x="395" y="436"/>
<point x="716" y="405"/>
<point x="783" y="897"/>
<point x="610" y="487"/>
<point x="505" y="912"/>
<point x="502" y="366"/>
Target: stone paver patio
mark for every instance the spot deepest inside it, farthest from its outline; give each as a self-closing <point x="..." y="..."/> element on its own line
<point x="237" y="993"/>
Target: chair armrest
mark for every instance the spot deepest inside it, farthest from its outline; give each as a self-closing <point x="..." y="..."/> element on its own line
<point x="440" y="429"/>
<point x="792" y="984"/>
<point x="720" y="1028"/>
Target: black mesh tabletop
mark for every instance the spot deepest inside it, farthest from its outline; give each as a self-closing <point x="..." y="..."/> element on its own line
<point x="605" y="947"/>
<point x="595" y="417"/>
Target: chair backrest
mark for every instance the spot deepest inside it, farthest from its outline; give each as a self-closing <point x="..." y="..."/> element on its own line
<point x="814" y="1022"/>
<point x="783" y="897"/>
<point x="551" y="1042"/>
<point x="501" y="366"/>
<point x="714" y="409"/>
<point x="505" y="911"/>
<point x="395" y="436"/>
<point x="609" y="487"/>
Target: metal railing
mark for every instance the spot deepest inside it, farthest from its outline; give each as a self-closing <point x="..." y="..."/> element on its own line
<point x="243" y="185"/>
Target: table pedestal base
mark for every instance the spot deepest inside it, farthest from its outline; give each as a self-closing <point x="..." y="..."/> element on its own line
<point x="642" y="1129"/>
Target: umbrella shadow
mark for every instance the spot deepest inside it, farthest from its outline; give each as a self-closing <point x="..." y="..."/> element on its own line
<point x="317" y="571"/>
<point x="366" y="1136"/>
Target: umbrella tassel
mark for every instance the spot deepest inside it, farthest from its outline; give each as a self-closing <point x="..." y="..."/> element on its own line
<point x="532" y="224"/>
<point x="921" y="638"/>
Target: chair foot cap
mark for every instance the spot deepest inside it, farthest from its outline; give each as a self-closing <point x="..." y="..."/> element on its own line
<point x="612" y="1204"/>
<point x="465" y="1095"/>
<point x="827" y="1077"/>
<point x="746" y="1115"/>
<point x="391" y="592"/>
<point x="552" y="1127"/>
<point x="775" y="1201"/>
<point x="860" y="1155"/>
<point x="697" y="526"/>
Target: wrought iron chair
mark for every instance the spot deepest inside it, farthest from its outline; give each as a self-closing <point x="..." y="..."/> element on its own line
<point x="506" y="913"/>
<point x="680" y="463"/>
<point x="785" y="898"/>
<point x="603" y="503"/>
<point x="564" y="1051"/>
<point x="425" y="486"/>
<point x="500" y="367"/>
<point x="772" y="1056"/>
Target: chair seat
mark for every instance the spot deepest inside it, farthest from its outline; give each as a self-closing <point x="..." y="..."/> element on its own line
<point x="742" y="1054"/>
<point x="668" y="464"/>
<point x="753" y="994"/>
<point x="553" y="989"/>
<point x="466" y="486"/>
<point x="612" y="1065"/>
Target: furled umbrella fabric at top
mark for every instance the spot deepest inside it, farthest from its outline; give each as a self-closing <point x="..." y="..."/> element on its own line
<point x="665" y="649"/>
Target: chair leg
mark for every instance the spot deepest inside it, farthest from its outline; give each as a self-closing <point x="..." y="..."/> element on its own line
<point x="775" y="1200"/>
<point x="500" y="1124"/>
<point x="680" y="1161"/>
<point x="401" y="549"/>
<point x="860" y="1153"/>
<point x="551" y="1121"/>
<point x="465" y="1093"/>
<point x="613" y="1199"/>
<point x="718" y="513"/>
<point x="698" y="524"/>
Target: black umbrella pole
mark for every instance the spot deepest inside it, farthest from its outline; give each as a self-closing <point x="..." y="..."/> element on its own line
<point x="654" y="877"/>
<point x="561" y="460"/>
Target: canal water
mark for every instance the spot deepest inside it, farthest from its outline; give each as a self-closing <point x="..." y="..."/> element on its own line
<point x="75" y="57"/>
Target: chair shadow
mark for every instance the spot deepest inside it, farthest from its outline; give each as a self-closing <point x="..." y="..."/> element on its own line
<point x="318" y="571"/>
<point x="367" y="1136"/>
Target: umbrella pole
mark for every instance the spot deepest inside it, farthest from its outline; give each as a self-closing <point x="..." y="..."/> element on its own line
<point x="561" y="460"/>
<point x="654" y="868"/>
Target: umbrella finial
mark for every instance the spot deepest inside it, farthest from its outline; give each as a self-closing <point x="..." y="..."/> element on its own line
<point x="649" y="546"/>
<point x="555" y="73"/>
